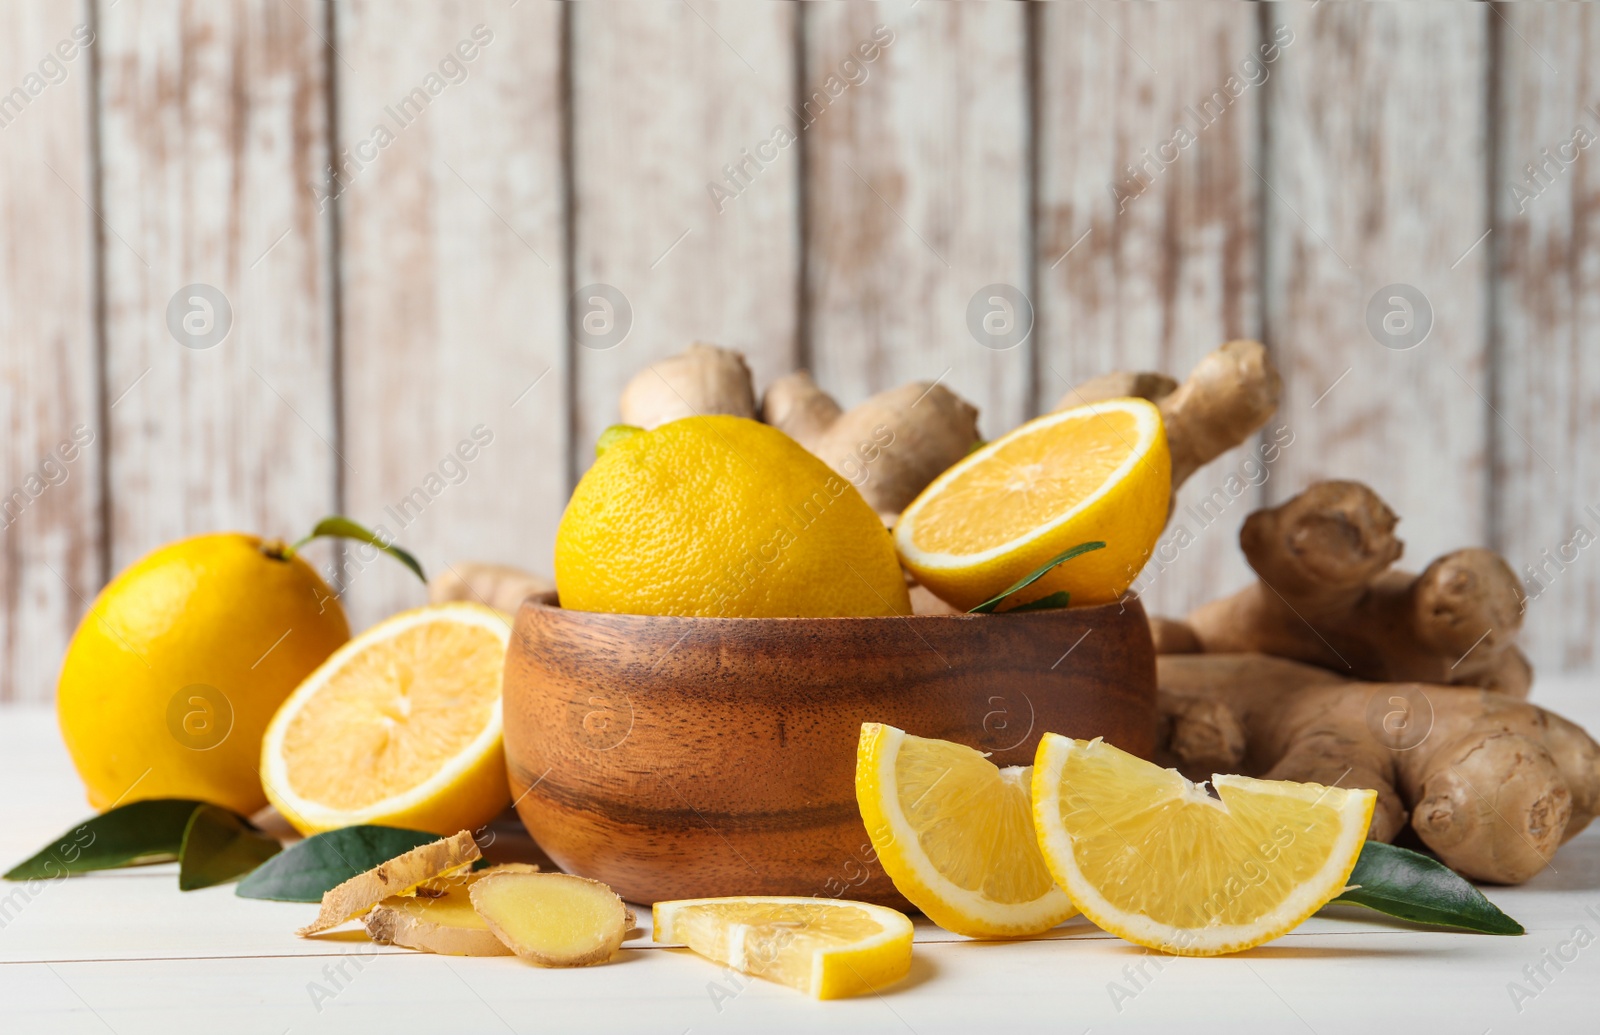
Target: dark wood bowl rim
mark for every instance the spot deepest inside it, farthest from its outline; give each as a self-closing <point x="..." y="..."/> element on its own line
<point x="549" y="602"/>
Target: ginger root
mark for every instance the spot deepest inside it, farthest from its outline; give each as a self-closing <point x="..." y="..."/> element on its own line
<point x="893" y="444"/>
<point x="553" y="919"/>
<point x="1327" y="596"/>
<point x="698" y="382"/>
<point x="499" y="586"/>
<point x="889" y="447"/>
<point x="401" y="875"/>
<point x="1491" y="784"/>
<point x="1228" y="396"/>
<point x="439" y="918"/>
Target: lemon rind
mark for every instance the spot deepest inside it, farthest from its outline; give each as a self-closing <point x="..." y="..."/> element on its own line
<point x="957" y="909"/>
<point x="1149" y="425"/>
<point x="1354" y="805"/>
<point x="312" y="814"/>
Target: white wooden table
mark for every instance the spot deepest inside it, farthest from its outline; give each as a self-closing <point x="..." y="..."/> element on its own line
<point x="125" y="952"/>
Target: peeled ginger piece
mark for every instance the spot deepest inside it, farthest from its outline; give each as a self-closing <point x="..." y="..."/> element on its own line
<point x="553" y="919"/>
<point x="401" y="875"/>
<point x="440" y="918"/>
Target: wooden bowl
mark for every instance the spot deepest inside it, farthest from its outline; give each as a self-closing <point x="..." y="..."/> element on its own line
<point x="691" y="757"/>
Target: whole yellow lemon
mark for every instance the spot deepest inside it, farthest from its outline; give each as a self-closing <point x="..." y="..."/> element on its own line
<point x="723" y="517"/>
<point x="182" y="660"/>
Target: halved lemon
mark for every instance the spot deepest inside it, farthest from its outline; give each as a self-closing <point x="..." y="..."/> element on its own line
<point x="1153" y="858"/>
<point x="826" y="948"/>
<point x="399" y="727"/>
<point x="954" y="832"/>
<point x="1092" y="473"/>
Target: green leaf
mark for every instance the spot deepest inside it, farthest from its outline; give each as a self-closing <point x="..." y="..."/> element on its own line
<point x="220" y="845"/>
<point x="302" y="872"/>
<point x="131" y="835"/>
<point x="1058" y="599"/>
<point x="614" y="434"/>
<point x="989" y="605"/>
<point x="1411" y="886"/>
<point x="344" y="528"/>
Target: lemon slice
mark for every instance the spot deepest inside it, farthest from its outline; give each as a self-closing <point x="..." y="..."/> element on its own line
<point x="1092" y="473"/>
<point x="955" y="834"/>
<point x="824" y="947"/>
<point x="1154" y="859"/>
<point x="399" y="727"/>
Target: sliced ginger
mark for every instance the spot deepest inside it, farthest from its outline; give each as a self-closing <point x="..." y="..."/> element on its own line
<point x="440" y="918"/>
<point x="401" y="875"/>
<point x="553" y="919"/>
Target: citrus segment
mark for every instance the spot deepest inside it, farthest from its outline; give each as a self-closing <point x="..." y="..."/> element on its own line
<point x="400" y="727"/>
<point x="824" y="947"/>
<point x="1098" y="472"/>
<point x="1153" y="858"/>
<point x="955" y="834"/>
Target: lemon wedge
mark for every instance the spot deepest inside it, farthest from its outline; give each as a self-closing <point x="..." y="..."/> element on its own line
<point x="1154" y="859"/>
<point x="955" y="834"/>
<point x="827" y="948"/>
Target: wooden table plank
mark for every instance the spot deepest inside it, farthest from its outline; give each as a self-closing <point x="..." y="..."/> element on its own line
<point x="1335" y="982"/>
<point x="213" y="128"/>
<point x="1148" y="125"/>
<point x="668" y="100"/>
<point x="1376" y="141"/>
<point x="50" y="535"/>
<point x="1547" y="303"/>
<point x="455" y="415"/>
<point x="129" y="952"/>
<point x="917" y="198"/>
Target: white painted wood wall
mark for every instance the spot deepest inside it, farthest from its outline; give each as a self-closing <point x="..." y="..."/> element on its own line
<point x="188" y="143"/>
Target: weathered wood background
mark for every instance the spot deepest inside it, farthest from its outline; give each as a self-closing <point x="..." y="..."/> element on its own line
<point x="378" y="318"/>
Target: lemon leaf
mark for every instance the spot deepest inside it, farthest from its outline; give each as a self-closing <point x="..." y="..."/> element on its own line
<point x="988" y="606"/>
<point x="614" y="434"/>
<point x="344" y="528"/>
<point x="220" y="845"/>
<point x="1060" y="598"/>
<point x="303" y="871"/>
<point x="1409" y="885"/>
<point x="131" y="835"/>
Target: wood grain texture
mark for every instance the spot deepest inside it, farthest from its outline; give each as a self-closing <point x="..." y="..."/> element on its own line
<point x="1376" y="144"/>
<point x="1148" y="124"/>
<point x="663" y="97"/>
<point x="50" y="534"/>
<point x="453" y="288"/>
<point x="1547" y="250"/>
<point x="917" y="198"/>
<point x="685" y="757"/>
<point x="213" y="128"/>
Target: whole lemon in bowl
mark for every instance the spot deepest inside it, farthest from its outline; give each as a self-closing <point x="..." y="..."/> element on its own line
<point x="725" y="517"/>
<point x="180" y="663"/>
